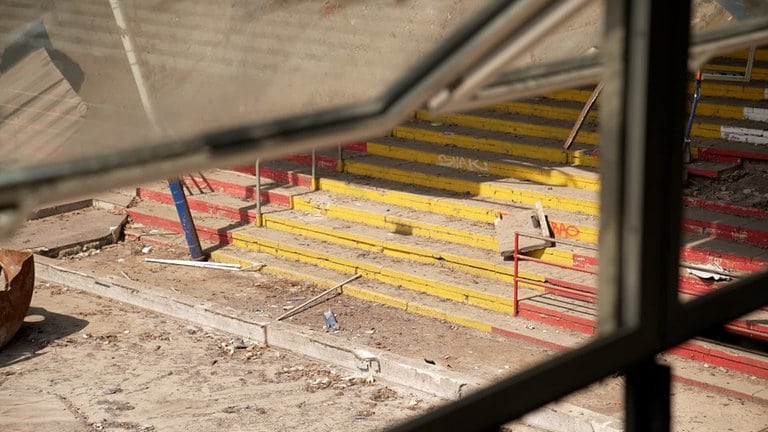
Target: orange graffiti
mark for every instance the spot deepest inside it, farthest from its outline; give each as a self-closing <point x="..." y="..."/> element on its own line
<point x="562" y="229"/>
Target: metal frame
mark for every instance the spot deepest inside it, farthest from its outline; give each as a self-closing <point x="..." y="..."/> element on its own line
<point x="644" y="70"/>
<point x="477" y="43"/>
<point x="743" y="77"/>
<point x="23" y="188"/>
<point x="642" y="123"/>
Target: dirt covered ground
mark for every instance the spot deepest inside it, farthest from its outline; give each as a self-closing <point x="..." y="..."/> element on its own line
<point x="746" y="186"/>
<point x="115" y="367"/>
<point x="112" y="367"/>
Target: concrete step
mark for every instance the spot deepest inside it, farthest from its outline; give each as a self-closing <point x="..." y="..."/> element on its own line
<point x="701" y="221"/>
<point x="537" y="148"/>
<point x="698" y="249"/>
<point x="483" y="162"/>
<point x="442" y="282"/>
<point x="473" y="184"/>
<point x="750" y="126"/>
<point x="761" y="54"/>
<point x="514" y="125"/>
<point x="356" y="235"/>
<point x="711" y="169"/>
<point x="565" y="312"/>
<point x="404" y="299"/>
<point x="748" y="92"/>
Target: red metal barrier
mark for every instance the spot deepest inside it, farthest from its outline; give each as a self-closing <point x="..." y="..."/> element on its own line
<point x="566" y="289"/>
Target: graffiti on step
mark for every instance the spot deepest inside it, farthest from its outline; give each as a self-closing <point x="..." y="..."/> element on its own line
<point x="562" y="229"/>
<point x="460" y="162"/>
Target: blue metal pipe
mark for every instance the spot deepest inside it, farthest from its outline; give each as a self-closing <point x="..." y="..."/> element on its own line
<point x="185" y="217"/>
<point x="689" y="127"/>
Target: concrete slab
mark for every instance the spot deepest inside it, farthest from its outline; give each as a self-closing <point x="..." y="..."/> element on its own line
<point x="68" y="233"/>
<point x="36" y="412"/>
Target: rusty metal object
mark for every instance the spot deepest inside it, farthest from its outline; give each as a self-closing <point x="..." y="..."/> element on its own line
<point x="18" y="279"/>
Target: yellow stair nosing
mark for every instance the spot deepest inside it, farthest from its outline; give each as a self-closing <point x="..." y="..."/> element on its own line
<point x="536" y="174"/>
<point x="543" y="131"/>
<point x="587" y="234"/>
<point x="489" y="190"/>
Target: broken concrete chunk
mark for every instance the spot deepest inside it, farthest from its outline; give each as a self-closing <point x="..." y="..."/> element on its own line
<point x="532" y="226"/>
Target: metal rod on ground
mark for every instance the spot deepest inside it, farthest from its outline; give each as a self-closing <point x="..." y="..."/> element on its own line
<point x="258" y="192"/>
<point x="225" y="266"/>
<point x="583" y="115"/>
<point x="307" y="303"/>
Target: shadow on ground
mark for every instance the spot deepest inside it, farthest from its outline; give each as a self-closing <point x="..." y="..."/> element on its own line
<point x="41" y="327"/>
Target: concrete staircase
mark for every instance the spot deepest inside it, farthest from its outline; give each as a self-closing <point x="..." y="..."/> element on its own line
<point x="414" y="214"/>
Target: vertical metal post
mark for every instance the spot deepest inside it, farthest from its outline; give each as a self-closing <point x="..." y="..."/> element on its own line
<point x="691" y="117"/>
<point x="185" y="217"/>
<point x="340" y="163"/>
<point x="642" y="124"/>
<point x="514" y="277"/>
<point x="641" y="163"/>
<point x="648" y="387"/>
<point x="258" y="193"/>
<point x="314" y="168"/>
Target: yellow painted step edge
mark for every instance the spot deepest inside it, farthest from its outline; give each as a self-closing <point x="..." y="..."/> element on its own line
<point x="587" y="234"/>
<point x="491" y="270"/>
<point x="508" y="126"/>
<point x="511" y="148"/>
<point x="482" y="189"/>
<point x="396" y="224"/>
<point x="536" y="174"/>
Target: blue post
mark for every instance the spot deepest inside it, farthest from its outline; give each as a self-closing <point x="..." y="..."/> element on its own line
<point x="689" y="126"/>
<point x="185" y="217"/>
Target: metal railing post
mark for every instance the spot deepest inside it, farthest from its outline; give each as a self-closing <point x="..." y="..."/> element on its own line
<point x="258" y="193"/>
<point x="514" y="277"/>
<point x="185" y="218"/>
<point x="314" y="169"/>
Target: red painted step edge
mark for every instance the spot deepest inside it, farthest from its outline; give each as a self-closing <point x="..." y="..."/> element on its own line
<point x="725" y="208"/>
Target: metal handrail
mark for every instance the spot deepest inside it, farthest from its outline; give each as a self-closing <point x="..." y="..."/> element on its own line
<point x="517" y="257"/>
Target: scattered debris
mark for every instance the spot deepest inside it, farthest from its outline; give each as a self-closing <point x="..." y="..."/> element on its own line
<point x="428" y="361"/>
<point x="146" y="249"/>
<point x="533" y="229"/>
<point x="331" y="325"/>
<point x="384" y="394"/>
<point x="364" y="414"/>
<point x="709" y="271"/>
